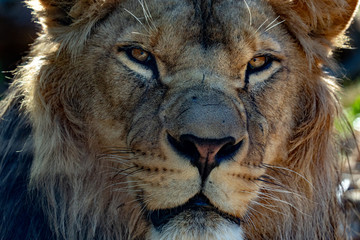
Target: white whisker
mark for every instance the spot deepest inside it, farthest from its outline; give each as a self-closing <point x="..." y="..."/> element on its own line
<point x="267" y="188"/>
<point x="261" y="26"/>
<point x="292" y="171"/>
<point x="137" y="19"/>
<point x="147" y="15"/>
<point x="252" y="209"/>
<point x="125" y="190"/>
<point x="137" y="33"/>
<point x="268" y="26"/>
<point x="132" y="201"/>
<point x="248" y="8"/>
<point x="273" y="198"/>
<point x="247" y="218"/>
<point x="274" y="25"/>
<point x="269" y="208"/>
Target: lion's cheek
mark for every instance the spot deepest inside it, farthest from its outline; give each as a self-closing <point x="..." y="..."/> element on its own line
<point x="107" y="132"/>
<point x="168" y="189"/>
<point x="231" y="191"/>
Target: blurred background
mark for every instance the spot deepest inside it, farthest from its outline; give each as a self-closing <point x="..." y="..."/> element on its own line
<point x="18" y="31"/>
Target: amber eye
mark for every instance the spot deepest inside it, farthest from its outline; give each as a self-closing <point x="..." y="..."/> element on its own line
<point x="138" y="59"/>
<point x="258" y="62"/>
<point x="139" y="54"/>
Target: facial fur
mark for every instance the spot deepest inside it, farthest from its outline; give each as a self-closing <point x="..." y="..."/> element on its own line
<point x="182" y="119"/>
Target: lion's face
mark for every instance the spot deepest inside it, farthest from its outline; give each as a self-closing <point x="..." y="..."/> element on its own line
<point x="202" y="100"/>
<point x="186" y="119"/>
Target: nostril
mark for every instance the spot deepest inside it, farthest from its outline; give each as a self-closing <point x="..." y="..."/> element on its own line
<point x="205" y="154"/>
<point x="228" y="151"/>
<point x="184" y="147"/>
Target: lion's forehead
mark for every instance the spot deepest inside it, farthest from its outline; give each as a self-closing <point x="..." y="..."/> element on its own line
<point x="174" y="30"/>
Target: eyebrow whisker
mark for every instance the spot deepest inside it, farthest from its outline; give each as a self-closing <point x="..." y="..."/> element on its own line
<point x="274" y="25"/>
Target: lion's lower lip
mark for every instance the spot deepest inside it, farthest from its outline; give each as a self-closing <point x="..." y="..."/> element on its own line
<point x="198" y="203"/>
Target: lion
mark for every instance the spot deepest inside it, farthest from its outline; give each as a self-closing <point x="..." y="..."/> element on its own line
<point x="149" y="119"/>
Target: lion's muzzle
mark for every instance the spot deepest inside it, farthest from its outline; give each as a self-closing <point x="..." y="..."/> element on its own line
<point x="206" y="128"/>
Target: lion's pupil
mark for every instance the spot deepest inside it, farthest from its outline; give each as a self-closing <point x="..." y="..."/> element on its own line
<point x="139" y="54"/>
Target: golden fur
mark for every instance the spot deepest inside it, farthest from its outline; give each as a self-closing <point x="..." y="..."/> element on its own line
<point x="102" y="158"/>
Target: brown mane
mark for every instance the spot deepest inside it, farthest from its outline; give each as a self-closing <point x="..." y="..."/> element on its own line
<point x="297" y="198"/>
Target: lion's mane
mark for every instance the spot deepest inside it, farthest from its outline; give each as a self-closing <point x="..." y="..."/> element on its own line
<point x="50" y="186"/>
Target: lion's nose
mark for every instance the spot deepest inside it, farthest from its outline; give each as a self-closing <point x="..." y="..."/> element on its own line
<point x="205" y="154"/>
<point x="206" y="127"/>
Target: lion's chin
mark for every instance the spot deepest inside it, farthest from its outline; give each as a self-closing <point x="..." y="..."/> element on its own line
<point x="196" y="219"/>
<point x="197" y="224"/>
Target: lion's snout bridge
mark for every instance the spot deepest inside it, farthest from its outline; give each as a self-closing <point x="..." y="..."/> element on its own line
<point x="207" y="130"/>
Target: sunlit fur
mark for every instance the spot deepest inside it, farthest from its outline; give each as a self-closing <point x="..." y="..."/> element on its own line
<point x="83" y="138"/>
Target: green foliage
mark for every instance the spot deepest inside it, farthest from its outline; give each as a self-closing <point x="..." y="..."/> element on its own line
<point x="350" y="99"/>
<point x="352" y="110"/>
<point x="355" y="114"/>
<point x="355" y="107"/>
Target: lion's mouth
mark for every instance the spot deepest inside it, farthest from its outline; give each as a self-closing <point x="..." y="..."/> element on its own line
<point x="199" y="202"/>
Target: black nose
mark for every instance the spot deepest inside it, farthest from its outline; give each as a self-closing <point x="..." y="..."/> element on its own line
<point x="205" y="154"/>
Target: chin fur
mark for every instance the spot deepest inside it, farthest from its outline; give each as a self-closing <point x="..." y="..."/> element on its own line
<point x="199" y="225"/>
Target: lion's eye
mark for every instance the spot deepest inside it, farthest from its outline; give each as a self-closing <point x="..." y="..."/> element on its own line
<point x="257" y="62"/>
<point x="138" y="60"/>
<point x="139" y="54"/>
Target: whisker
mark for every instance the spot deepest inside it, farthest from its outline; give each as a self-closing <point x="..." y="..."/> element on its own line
<point x="126" y="190"/>
<point x="274" y="25"/>
<point x="116" y="155"/>
<point x="127" y="186"/>
<point x="285" y="202"/>
<point x="132" y="201"/>
<point x="266" y="205"/>
<point x="147" y="15"/>
<point x="289" y="170"/>
<point x="247" y="218"/>
<point x="123" y="173"/>
<point x="253" y="209"/>
<point x="116" y="160"/>
<point x="261" y="25"/>
<point x="137" y="19"/>
<point x="265" y="181"/>
<point x="277" y="171"/>
<point x="248" y="8"/>
<point x="271" y="209"/>
<point x="272" y="22"/>
<point x="138" y="33"/>
<point x="147" y="9"/>
<point x="283" y="191"/>
<point x="271" y="197"/>
<point x="272" y="181"/>
<point x="117" y="150"/>
<point x="133" y="172"/>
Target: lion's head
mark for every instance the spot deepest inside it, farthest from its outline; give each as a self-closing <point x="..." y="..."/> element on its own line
<point x="185" y="119"/>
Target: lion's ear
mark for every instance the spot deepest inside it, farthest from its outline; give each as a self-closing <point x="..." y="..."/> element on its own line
<point x="317" y="23"/>
<point x="69" y="22"/>
<point x="57" y="13"/>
